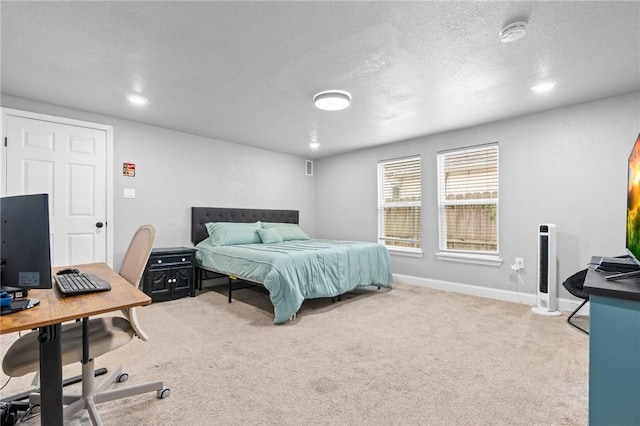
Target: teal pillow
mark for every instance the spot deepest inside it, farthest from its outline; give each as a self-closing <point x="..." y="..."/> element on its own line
<point x="229" y="234"/>
<point x="269" y="235"/>
<point x="288" y="231"/>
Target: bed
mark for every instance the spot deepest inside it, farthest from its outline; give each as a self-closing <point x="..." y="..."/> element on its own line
<point x="268" y="248"/>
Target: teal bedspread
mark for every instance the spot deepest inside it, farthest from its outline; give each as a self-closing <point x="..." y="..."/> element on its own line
<point x="293" y="271"/>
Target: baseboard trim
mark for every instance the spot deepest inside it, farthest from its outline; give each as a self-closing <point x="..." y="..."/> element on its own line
<point x="565" y="305"/>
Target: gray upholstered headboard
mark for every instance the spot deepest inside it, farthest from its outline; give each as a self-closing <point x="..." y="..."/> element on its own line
<point x="202" y="215"/>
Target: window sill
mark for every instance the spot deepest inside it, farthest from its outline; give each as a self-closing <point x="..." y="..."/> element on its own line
<point x="477" y="259"/>
<point x="395" y="251"/>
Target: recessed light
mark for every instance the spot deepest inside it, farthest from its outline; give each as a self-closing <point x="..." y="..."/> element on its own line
<point x="137" y="99"/>
<point x="543" y="87"/>
<point x="332" y="100"/>
<point x="314" y="145"/>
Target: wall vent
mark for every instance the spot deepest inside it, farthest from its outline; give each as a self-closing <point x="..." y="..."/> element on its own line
<point x="308" y="168"/>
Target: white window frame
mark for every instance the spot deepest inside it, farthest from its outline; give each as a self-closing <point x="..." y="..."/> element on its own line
<point x="467" y="256"/>
<point x="407" y="251"/>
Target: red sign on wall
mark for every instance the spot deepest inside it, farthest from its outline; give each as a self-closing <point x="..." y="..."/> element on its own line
<point x="128" y="169"/>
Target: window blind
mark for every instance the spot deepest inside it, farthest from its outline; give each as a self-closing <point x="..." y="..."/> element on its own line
<point x="400" y="191"/>
<point x="468" y="199"/>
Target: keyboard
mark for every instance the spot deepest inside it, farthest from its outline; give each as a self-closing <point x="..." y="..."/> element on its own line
<point x="80" y="283"/>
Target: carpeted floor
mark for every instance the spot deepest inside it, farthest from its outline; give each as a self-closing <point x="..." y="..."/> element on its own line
<point x="408" y="356"/>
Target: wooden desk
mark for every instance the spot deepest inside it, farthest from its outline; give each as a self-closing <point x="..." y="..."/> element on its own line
<point x="54" y="310"/>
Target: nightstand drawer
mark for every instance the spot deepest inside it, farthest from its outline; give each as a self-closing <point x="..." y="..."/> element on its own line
<point x="170" y="259"/>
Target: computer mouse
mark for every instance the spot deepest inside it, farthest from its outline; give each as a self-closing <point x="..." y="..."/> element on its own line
<point x="68" y="271"/>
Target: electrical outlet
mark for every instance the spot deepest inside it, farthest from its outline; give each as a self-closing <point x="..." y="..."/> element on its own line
<point x="519" y="263"/>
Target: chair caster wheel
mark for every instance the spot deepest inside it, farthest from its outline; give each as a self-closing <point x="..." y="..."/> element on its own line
<point x="8" y="419"/>
<point x="122" y="378"/>
<point x="164" y="393"/>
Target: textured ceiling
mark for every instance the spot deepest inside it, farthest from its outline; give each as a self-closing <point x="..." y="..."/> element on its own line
<point x="246" y="72"/>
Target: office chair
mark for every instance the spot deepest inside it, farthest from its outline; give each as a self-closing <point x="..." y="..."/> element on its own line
<point x="100" y="335"/>
<point x="574" y="285"/>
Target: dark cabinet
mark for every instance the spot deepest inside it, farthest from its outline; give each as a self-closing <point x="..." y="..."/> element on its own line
<point x="170" y="273"/>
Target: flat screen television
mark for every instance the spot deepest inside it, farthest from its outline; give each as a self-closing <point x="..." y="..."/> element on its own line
<point x="633" y="213"/>
<point x="25" y="249"/>
<point x="633" y="203"/>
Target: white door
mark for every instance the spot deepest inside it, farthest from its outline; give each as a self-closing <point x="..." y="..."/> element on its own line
<point x="69" y="163"/>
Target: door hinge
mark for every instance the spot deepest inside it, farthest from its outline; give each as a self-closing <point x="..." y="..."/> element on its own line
<point x="5" y="141"/>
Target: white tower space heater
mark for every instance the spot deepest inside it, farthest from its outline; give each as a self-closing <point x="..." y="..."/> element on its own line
<point x="547" y="273"/>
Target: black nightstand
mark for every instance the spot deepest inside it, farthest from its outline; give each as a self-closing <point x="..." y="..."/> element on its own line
<point x="170" y="273"/>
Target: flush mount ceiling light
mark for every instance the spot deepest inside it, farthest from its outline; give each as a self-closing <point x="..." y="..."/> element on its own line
<point x="544" y="87"/>
<point x="137" y="99"/>
<point x="314" y="145"/>
<point x="514" y="31"/>
<point x="332" y="100"/>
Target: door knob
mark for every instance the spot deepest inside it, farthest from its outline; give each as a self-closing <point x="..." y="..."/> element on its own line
<point x="99" y="225"/>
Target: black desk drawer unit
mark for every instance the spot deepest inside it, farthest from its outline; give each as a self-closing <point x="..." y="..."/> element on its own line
<point x="170" y="273"/>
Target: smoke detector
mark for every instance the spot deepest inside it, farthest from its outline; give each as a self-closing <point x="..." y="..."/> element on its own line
<point x="514" y="31"/>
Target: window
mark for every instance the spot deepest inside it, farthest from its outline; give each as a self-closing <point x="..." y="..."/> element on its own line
<point x="468" y="199"/>
<point x="399" y="208"/>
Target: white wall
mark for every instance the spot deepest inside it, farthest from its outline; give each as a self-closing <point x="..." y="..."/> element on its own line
<point x="566" y="166"/>
<point x="175" y="171"/>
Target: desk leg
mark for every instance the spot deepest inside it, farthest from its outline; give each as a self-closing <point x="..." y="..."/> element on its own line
<point x="50" y="375"/>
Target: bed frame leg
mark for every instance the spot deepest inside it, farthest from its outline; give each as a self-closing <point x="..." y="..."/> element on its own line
<point x="230" y="287"/>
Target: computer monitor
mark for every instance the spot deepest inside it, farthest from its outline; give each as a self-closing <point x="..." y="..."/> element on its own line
<point x="24" y="232"/>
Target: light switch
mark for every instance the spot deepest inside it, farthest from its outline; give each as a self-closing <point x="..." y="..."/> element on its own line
<point x="129" y="193"/>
